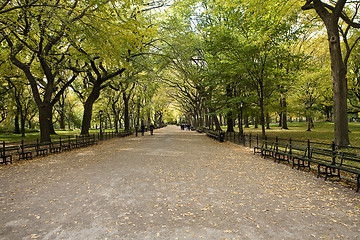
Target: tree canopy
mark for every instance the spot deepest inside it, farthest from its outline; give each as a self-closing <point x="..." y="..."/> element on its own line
<point x="194" y="61"/>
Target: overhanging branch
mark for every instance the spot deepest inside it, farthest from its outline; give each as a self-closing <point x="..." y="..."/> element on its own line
<point x="310" y="5"/>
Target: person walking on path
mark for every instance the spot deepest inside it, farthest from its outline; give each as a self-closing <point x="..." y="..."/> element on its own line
<point x="142" y="128"/>
<point x="152" y="127"/>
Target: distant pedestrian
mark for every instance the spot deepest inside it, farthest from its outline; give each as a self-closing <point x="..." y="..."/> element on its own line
<point x="136" y="130"/>
<point x="152" y="129"/>
<point x="142" y="129"/>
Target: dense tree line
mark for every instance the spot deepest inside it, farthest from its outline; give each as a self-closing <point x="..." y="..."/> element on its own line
<point x="272" y="56"/>
<point x="63" y="61"/>
<point x="63" y="53"/>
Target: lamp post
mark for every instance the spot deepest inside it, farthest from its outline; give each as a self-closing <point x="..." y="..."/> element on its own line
<point x="241" y="118"/>
<point x="101" y="133"/>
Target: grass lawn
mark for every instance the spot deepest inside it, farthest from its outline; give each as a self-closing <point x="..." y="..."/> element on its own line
<point x="10" y="137"/>
<point x="323" y="132"/>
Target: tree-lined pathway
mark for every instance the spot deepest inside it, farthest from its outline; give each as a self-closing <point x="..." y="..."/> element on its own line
<point x="172" y="185"/>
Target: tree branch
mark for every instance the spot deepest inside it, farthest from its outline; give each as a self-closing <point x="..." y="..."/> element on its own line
<point x="321" y="7"/>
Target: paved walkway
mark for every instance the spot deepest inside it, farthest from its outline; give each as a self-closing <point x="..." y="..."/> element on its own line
<point x="173" y="185"/>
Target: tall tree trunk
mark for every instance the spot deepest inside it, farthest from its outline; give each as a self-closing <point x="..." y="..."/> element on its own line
<point x="29" y="124"/>
<point x="50" y="119"/>
<point x="201" y="117"/>
<point x="310" y="123"/>
<point x="338" y="68"/>
<point x="262" y="117"/>
<point x="16" y="123"/>
<point x="230" y="122"/>
<point x="88" y="107"/>
<point x="126" y="111"/>
<point x="280" y="119"/>
<point x="110" y="122"/>
<point x="284" y="114"/>
<point x="44" y="123"/>
<point x="116" y="119"/>
<point x="138" y="112"/>
<point x="281" y="113"/>
<point x="256" y="122"/>
<point x="62" y="119"/>
<point x="87" y="115"/>
<point x="229" y="115"/>
<point x="95" y="93"/>
<point x="328" y="113"/>
<point x="22" y="124"/>
<point x="119" y="121"/>
<point x="246" y="122"/>
<point x="216" y="122"/>
<point x="338" y="72"/>
<point x="207" y="122"/>
<point x="62" y="112"/>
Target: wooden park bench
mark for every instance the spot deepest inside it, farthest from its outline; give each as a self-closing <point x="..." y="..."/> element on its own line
<point x="329" y="162"/>
<point x="259" y="148"/>
<point x="201" y="130"/>
<point x="217" y="135"/>
<point x="6" y="153"/>
<point x="66" y="145"/>
<point x="332" y="165"/>
<point x="349" y="162"/>
<point x="276" y="150"/>
<point x="125" y="133"/>
<point x="324" y="158"/>
<point x="303" y="156"/>
<point x="55" y="146"/>
<point x="25" y="150"/>
<point x="279" y="152"/>
<point x="297" y="154"/>
<point x="91" y="140"/>
<point x="267" y="149"/>
<point x="86" y="140"/>
<point x="263" y="148"/>
<point x="42" y="149"/>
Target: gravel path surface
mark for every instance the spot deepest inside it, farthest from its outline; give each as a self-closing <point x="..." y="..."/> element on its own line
<point x="172" y="185"/>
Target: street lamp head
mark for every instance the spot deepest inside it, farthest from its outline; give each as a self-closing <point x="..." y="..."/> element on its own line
<point x="101" y="112"/>
<point x="241" y="104"/>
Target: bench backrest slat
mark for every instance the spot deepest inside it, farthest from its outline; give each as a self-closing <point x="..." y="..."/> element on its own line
<point x="325" y="155"/>
<point x="298" y="149"/>
<point x="350" y="160"/>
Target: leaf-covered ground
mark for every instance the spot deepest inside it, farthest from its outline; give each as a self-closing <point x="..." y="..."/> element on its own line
<point x="173" y="185"/>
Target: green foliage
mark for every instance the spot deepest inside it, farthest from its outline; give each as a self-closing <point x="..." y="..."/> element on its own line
<point x="198" y="57"/>
<point x="251" y="50"/>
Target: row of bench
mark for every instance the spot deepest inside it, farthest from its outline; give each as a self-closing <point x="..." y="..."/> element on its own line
<point x="329" y="162"/>
<point x="217" y="135"/>
<point x="29" y="150"/>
